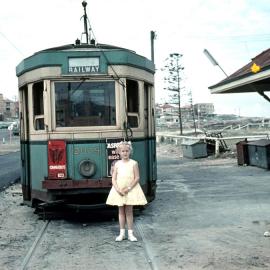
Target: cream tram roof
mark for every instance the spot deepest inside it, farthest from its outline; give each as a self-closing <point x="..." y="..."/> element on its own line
<point x="253" y="77"/>
<point x="107" y="55"/>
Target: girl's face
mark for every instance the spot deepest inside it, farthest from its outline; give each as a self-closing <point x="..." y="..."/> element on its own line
<point x="124" y="152"/>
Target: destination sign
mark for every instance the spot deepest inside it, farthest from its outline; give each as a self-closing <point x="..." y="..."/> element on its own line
<point x="83" y="65"/>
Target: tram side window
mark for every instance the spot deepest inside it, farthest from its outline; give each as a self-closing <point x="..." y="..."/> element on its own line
<point x="38" y="109"/>
<point x="133" y="103"/>
<point x="85" y="104"/>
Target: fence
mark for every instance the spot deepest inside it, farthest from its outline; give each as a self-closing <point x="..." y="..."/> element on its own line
<point x="229" y="140"/>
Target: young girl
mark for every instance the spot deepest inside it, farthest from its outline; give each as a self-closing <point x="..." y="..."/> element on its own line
<point x="126" y="190"/>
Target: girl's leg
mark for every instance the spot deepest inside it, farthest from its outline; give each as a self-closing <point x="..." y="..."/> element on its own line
<point x="122" y="222"/>
<point x="121" y="217"/>
<point x="129" y="218"/>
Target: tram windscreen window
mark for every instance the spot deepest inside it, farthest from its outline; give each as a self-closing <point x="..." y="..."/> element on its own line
<point x="85" y="104"/>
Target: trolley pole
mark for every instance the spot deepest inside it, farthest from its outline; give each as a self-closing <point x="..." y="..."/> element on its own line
<point x="84" y="4"/>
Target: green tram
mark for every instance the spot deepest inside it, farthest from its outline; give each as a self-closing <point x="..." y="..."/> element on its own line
<point x="76" y="103"/>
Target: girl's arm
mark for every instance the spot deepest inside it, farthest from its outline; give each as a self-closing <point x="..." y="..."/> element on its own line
<point x="136" y="178"/>
<point x="136" y="175"/>
<point x="114" y="182"/>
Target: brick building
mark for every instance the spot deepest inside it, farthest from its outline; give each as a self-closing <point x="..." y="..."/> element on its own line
<point x="204" y="109"/>
<point x="8" y="108"/>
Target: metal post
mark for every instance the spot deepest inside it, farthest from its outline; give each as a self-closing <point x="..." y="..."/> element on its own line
<point x="193" y="116"/>
<point x="198" y="117"/>
<point x="84" y="4"/>
<point x="217" y="148"/>
<point x="213" y="61"/>
<point x="179" y="98"/>
<point x="152" y="37"/>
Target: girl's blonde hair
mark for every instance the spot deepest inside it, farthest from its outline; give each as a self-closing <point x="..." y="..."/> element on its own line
<point x="124" y="143"/>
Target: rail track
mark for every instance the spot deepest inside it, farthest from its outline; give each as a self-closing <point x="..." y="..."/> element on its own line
<point x="147" y="248"/>
<point x="34" y="246"/>
<point x="145" y="256"/>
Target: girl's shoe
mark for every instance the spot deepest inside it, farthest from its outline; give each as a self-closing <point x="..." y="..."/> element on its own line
<point x="121" y="236"/>
<point x="131" y="237"/>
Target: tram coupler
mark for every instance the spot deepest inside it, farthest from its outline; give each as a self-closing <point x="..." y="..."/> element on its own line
<point x="44" y="208"/>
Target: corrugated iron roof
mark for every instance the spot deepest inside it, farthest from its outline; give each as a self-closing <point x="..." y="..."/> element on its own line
<point x="262" y="60"/>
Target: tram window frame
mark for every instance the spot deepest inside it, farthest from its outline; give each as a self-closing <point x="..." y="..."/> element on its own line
<point x="79" y="113"/>
<point x="38" y="105"/>
<point x="133" y="103"/>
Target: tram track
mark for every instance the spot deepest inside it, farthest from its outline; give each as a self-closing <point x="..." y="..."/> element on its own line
<point x="147" y="249"/>
<point x="144" y="250"/>
<point x="34" y="246"/>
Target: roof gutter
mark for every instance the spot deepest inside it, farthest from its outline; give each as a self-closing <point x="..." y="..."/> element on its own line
<point x="240" y="85"/>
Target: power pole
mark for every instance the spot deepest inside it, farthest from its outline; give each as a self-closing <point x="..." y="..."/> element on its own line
<point x="192" y="110"/>
<point x="173" y="67"/>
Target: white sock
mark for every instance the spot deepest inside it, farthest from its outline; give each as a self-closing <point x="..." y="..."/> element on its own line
<point x="121" y="236"/>
<point x="131" y="237"/>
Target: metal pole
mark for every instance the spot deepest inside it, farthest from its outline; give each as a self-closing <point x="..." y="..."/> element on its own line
<point x="213" y="60"/>
<point x="84" y="4"/>
<point x="198" y="111"/>
<point x="193" y="116"/>
<point x="179" y="97"/>
<point x="152" y="37"/>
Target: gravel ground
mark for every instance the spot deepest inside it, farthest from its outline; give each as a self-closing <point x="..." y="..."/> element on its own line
<point x="208" y="214"/>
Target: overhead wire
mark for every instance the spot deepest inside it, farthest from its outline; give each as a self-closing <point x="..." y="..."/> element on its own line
<point x="11" y="43"/>
<point x="118" y="79"/>
<point x="233" y="38"/>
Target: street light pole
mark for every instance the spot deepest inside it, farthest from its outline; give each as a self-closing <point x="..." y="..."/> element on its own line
<point x="213" y="60"/>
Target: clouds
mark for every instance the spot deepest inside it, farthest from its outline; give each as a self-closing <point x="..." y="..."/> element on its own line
<point x="233" y="31"/>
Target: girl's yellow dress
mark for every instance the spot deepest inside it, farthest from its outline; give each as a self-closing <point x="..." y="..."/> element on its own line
<point x="125" y="175"/>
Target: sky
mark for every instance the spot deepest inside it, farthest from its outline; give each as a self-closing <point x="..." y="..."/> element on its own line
<point x="233" y="31"/>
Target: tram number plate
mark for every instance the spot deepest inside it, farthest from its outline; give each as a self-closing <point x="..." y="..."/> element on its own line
<point x="57" y="167"/>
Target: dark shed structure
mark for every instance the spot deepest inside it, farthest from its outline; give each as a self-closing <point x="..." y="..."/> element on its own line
<point x="242" y="152"/>
<point x="194" y="149"/>
<point x="253" y="77"/>
<point x="259" y="153"/>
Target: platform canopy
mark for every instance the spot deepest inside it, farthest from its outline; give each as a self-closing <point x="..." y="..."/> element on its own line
<point x="253" y="77"/>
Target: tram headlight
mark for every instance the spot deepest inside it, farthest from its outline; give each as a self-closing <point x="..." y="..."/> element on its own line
<point x="87" y="168"/>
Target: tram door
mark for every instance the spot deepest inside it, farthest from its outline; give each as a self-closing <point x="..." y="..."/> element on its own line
<point x="24" y="137"/>
<point x="146" y="128"/>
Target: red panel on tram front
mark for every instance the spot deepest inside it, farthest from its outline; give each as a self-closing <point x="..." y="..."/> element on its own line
<point x="57" y="160"/>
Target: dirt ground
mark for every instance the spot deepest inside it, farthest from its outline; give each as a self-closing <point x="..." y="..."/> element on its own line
<point x="209" y="213"/>
<point x="217" y="212"/>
